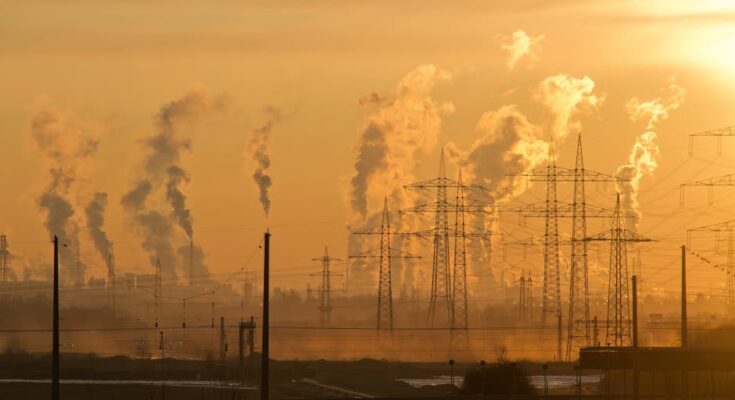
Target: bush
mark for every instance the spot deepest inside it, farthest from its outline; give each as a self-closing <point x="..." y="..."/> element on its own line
<point x="501" y="378"/>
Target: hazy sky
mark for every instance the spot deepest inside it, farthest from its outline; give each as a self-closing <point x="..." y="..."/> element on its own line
<point x="108" y="67"/>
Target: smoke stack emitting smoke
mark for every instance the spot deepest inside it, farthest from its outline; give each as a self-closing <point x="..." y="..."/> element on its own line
<point x="95" y="214"/>
<point x="259" y="150"/>
<point x="643" y="158"/>
<point x="163" y="172"/>
<point x="66" y="151"/>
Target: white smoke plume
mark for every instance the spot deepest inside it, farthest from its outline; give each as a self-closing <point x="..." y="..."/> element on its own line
<point x="643" y="157"/>
<point x="95" y="214"/>
<point x="407" y="122"/>
<point x="566" y="96"/>
<point x="163" y="175"/>
<point x="66" y="152"/>
<point x="519" y="45"/>
<point x="509" y="144"/>
<point x="259" y="150"/>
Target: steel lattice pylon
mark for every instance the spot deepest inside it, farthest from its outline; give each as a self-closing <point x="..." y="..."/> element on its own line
<point x="325" y="288"/>
<point x="384" y="254"/>
<point x="385" y="288"/>
<point x="440" y="301"/>
<point x="551" y="294"/>
<point x="618" y="331"/>
<point x="525" y="300"/>
<point x="578" y="319"/>
<point x="459" y="283"/>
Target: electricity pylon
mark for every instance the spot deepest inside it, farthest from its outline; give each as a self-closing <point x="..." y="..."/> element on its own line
<point x="618" y="332"/>
<point x="710" y="184"/>
<point x="325" y="290"/>
<point x="729" y="268"/>
<point x="385" y="254"/>
<point x="525" y="301"/>
<point x="578" y="325"/>
<point x="718" y="133"/>
<point x="441" y="304"/>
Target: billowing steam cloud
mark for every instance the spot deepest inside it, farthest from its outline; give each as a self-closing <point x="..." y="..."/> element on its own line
<point x="259" y="150"/>
<point x="643" y="158"/>
<point x="177" y="200"/>
<point x="518" y="45"/>
<point x="406" y="122"/>
<point x="95" y="213"/>
<point x="163" y="175"/>
<point x="509" y="144"/>
<point x="566" y="96"/>
<point x="66" y="151"/>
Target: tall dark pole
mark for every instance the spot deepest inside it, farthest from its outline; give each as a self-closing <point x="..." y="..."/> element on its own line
<point x="55" y="344"/>
<point x="683" y="297"/>
<point x="636" y="370"/>
<point x="264" y="356"/>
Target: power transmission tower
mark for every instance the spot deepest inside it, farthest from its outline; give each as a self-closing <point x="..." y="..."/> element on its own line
<point x="551" y="295"/>
<point x="718" y="133"/>
<point x="157" y="291"/>
<point x="459" y="283"/>
<point x="525" y="301"/>
<point x="578" y="332"/>
<point x="441" y="302"/>
<point x="4" y="259"/>
<point x="578" y="325"/>
<point x="385" y="254"/>
<point x="325" y="291"/>
<point x="710" y="184"/>
<point x="111" y="281"/>
<point x="729" y="267"/>
<point x="618" y="332"/>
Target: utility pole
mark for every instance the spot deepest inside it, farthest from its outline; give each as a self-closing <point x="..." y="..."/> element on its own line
<point x="4" y="259"/>
<point x="618" y="332"/>
<point x="158" y="291"/>
<point x="162" y="348"/>
<point x="266" y="318"/>
<point x="55" y="340"/>
<point x="683" y="296"/>
<point x="111" y="281"/>
<point x="191" y="261"/>
<point x="222" y="341"/>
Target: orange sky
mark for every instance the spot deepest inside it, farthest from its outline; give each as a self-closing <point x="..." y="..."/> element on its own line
<point x="111" y="66"/>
